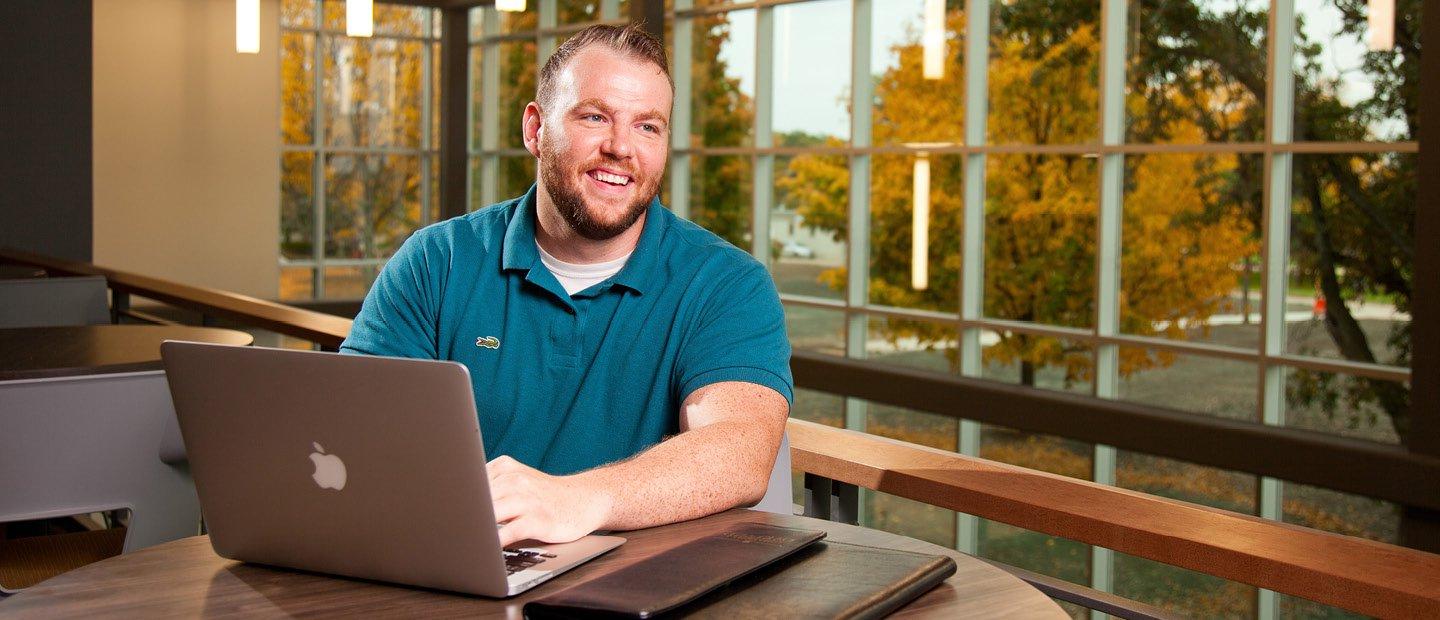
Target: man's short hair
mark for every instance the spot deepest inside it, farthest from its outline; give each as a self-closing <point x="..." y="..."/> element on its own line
<point x="629" y="40"/>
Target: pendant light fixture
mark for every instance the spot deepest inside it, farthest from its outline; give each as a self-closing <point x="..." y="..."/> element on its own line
<point x="513" y="6"/>
<point x="1382" y="25"/>
<point x="933" y="39"/>
<point x="920" y="225"/>
<point x="247" y="26"/>
<point x="360" y="18"/>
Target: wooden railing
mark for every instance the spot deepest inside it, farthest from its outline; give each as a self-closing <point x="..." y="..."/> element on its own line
<point x="1351" y="573"/>
<point x="1356" y="574"/>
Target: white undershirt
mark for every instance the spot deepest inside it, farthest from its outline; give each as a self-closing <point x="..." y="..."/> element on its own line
<point x="575" y="277"/>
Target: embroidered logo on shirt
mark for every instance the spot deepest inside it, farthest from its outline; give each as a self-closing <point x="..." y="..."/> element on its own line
<point x="489" y="342"/>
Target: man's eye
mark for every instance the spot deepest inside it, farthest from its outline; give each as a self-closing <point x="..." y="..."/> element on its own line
<point x="646" y="127"/>
<point x="594" y="117"/>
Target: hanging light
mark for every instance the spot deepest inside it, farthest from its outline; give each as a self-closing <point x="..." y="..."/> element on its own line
<point x="247" y="26"/>
<point x="933" y="39"/>
<point x="360" y="18"/>
<point x="920" y="226"/>
<point x="513" y="6"/>
<point x="1382" y="25"/>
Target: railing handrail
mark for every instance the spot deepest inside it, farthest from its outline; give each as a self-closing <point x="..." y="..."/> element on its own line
<point x="325" y="329"/>
<point x="1352" y="573"/>
<point x="1388" y="472"/>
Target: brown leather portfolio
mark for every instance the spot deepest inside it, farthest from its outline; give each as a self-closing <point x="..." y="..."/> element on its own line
<point x="672" y="578"/>
<point x="828" y="580"/>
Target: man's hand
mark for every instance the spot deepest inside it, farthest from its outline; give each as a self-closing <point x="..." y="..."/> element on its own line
<point x="532" y="504"/>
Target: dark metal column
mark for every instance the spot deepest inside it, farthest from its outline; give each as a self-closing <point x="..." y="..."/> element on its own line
<point x="1419" y="528"/>
<point x="454" y="118"/>
<point x="651" y="15"/>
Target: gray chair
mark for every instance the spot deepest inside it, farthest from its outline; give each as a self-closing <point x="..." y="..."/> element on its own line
<point x="50" y="302"/>
<point x="75" y="445"/>
<point x="779" y="495"/>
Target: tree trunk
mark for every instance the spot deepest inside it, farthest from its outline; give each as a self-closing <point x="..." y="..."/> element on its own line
<point x="1027" y="374"/>
<point x="1341" y="324"/>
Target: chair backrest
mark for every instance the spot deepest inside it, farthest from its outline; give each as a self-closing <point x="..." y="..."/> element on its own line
<point x="73" y="445"/>
<point x="51" y="302"/>
<point x="780" y="494"/>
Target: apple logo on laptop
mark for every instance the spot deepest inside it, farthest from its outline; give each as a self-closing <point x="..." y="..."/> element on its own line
<point x="329" y="469"/>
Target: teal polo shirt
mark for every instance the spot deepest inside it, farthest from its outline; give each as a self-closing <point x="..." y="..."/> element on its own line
<point x="565" y="383"/>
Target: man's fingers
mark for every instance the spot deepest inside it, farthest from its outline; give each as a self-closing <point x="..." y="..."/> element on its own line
<point x="515" y="531"/>
<point x="508" y="509"/>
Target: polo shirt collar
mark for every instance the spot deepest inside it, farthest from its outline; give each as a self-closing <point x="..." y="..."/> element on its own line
<point x="520" y="252"/>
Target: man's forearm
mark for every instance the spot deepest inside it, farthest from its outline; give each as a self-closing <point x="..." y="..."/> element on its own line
<point x="696" y="473"/>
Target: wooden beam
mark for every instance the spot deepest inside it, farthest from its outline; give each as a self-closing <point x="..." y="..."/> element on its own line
<point x="1352" y="573"/>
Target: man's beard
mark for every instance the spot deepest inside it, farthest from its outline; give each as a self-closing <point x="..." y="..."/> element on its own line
<point x="564" y="190"/>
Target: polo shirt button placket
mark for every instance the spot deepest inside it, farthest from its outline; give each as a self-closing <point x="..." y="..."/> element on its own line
<point x="564" y="339"/>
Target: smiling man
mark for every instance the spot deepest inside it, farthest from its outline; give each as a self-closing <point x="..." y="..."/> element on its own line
<point x="630" y="368"/>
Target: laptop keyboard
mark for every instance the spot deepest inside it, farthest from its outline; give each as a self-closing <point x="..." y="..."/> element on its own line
<point x="517" y="560"/>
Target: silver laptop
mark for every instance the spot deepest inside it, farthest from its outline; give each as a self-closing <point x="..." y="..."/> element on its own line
<point x="368" y="467"/>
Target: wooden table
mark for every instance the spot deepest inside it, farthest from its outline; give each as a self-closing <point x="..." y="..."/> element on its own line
<point x="35" y="352"/>
<point x="186" y="578"/>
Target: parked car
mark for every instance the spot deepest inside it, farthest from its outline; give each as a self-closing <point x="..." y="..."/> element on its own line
<point x="796" y="249"/>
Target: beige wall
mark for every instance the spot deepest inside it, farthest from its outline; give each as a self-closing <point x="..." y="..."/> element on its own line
<point x="187" y="142"/>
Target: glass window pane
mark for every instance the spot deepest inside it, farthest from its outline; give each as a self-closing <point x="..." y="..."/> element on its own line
<point x="723" y="79"/>
<point x="1190" y="248"/>
<point x="297" y="13"/>
<point x="389" y="19"/>
<point x="477" y="101"/>
<point x="474" y="182"/>
<point x="297" y="206"/>
<point x="1341" y="513"/>
<point x="372" y="204"/>
<point x="576" y="11"/>
<point x="1166" y="379"/>
<point x="720" y="196"/>
<point x="1347" y="405"/>
<point x="517" y="88"/>
<point x="297" y="88"/>
<point x="1037" y="361"/>
<point x="525" y="21"/>
<point x="812" y="73"/>
<point x="907" y="517"/>
<point x="297" y="283"/>
<point x="808" y="225"/>
<point x="349" y="282"/>
<point x="913" y="104"/>
<point x="1187" y="593"/>
<point x="927" y="345"/>
<point x="477" y="22"/>
<point x="1040" y="238"/>
<point x="373" y="92"/>
<point x="517" y="174"/>
<point x="1352" y="259"/>
<point x="1196" y="71"/>
<point x="1057" y="557"/>
<point x="815" y="329"/>
<point x="1346" y="88"/>
<point x="1044" y="72"/>
<point x="897" y="203"/>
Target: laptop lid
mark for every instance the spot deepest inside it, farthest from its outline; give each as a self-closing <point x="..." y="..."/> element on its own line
<point x="363" y="466"/>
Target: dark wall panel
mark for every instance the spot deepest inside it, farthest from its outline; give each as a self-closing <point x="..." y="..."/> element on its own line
<point x="45" y="127"/>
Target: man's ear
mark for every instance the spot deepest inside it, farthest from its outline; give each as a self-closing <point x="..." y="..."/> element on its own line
<point x="530" y="128"/>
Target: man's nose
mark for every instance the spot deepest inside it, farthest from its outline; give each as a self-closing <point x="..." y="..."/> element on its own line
<point x="617" y="143"/>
